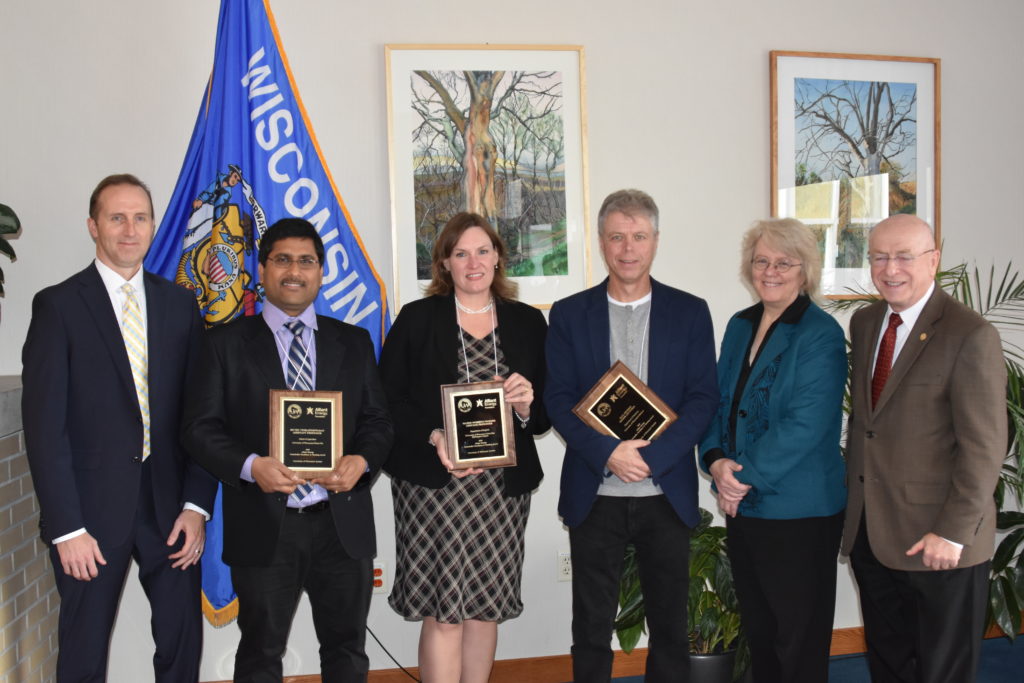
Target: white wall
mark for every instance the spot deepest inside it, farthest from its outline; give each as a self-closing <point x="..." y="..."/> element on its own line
<point x="677" y="104"/>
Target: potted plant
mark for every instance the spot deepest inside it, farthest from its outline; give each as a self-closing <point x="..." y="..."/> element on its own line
<point x="717" y="648"/>
<point x="1002" y="304"/>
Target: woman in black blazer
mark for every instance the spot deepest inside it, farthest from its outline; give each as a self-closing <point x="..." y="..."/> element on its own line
<point x="460" y="535"/>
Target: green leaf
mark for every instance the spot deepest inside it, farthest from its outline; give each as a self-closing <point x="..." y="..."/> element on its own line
<point x="723" y="585"/>
<point x="1009" y="519"/>
<point x="630" y="620"/>
<point x="1004" y="606"/>
<point x="998" y="610"/>
<point x="1006" y="551"/>
<point x="629" y="637"/>
<point x="9" y="223"/>
<point x="1013" y="601"/>
<point x="631" y="613"/>
<point x="705" y="521"/>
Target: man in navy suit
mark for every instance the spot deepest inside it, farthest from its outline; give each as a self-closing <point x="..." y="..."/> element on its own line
<point x="108" y="354"/>
<point x="614" y="492"/>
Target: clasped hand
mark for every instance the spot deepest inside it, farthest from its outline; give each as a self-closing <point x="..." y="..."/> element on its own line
<point x="730" y="489"/>
<point x="626" y="463"/>
<point x="272" y="476"/>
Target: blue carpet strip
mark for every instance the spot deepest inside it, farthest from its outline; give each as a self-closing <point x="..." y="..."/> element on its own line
<point x="1001" y="662"/>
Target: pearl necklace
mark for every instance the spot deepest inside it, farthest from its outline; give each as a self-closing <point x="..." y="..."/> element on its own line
<point x="467" y="309"/>
<point x="462" y="336"/>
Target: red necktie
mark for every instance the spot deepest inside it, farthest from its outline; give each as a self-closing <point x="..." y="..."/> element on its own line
<point x="883" y="365"/>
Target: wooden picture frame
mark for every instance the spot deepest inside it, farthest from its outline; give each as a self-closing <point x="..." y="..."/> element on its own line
<point x="854" y="139"/>
<point x="521" y="107"/>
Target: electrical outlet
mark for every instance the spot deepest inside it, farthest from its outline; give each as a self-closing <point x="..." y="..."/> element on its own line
<point x="564" y="567"/>
<point x="379" y="583"/>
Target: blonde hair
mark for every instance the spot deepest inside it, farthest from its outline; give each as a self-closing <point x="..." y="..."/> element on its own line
<point x="792" y="238"/>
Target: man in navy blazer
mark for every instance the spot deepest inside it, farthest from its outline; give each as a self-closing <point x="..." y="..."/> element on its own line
<point x="110" y="488"/>
<point x="613" y="492"/>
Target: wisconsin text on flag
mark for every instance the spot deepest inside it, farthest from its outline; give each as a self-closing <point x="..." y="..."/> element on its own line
<point x="273" y="128"/>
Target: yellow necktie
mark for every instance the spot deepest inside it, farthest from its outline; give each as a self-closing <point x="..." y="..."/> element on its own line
<point x="135" y="343"/>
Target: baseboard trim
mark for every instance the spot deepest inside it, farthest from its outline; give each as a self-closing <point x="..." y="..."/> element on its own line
<point x="558" y="668"/>
<point x="847" y="641"/>
<point x="551" y="669"/>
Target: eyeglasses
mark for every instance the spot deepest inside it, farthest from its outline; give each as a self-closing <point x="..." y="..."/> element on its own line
<point x="285" y="261"/>
<point x="780" y="266"/>
<point x="903" y="259"/>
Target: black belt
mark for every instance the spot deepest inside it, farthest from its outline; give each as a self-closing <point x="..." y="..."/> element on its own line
<point x="309" y="509"/>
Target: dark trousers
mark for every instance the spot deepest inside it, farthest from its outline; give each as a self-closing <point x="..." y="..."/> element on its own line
<point x="784" y="571"/>
<point x="308" y="557"/>
<point x="88" y="608"/>
<point x="662" y="544"/>
<point x="921" y="626"/>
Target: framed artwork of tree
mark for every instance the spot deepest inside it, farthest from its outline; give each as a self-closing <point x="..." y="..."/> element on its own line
<point x="855" y="139"/>
<point x="499" y="130"/>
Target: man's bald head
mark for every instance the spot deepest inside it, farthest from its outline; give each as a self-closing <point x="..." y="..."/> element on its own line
<point x="904" y="259"/>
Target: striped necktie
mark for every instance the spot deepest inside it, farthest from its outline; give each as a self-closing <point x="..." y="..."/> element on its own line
<point x="299" y="378"/>
<point x="134" y="333"/>
<point x="300" y="375"/>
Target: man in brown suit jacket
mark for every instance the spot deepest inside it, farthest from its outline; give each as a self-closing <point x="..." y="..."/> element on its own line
<point x="924" y="455"/>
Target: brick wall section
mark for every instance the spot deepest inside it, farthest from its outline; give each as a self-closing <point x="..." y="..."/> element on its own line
<point x="28" y="598"/>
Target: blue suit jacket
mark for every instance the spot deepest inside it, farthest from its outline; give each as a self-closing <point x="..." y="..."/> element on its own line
<point x="83" y="425"/>
<point x="789" y="416"/>
<point x="681" y="370"/>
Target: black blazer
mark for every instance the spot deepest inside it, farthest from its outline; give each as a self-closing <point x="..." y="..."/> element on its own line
<point x="83" y="426"/>
<point x="227" y="419"/>
<point x="422" y="352"/>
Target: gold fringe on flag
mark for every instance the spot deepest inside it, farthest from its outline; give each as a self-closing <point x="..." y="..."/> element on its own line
<point x="219" y="618"/>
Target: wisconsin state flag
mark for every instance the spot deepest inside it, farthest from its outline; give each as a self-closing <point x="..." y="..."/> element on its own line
<point x="254" y="159"/>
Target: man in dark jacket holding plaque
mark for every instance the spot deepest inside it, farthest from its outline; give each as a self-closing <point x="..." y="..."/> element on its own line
<point x="620" y="491"/>
<point x="284" y="533"/>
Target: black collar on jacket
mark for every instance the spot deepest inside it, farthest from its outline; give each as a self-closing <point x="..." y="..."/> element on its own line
<point x="791" y="316"/>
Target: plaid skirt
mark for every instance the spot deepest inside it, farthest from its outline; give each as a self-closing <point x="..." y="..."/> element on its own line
<point x="459" y="550"/>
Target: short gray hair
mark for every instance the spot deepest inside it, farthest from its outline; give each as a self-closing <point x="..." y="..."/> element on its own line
<point x="632" y="203"/>
<point x="792" y="238"/>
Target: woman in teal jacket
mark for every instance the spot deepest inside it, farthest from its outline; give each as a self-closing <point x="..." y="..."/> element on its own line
<point x="773" y="452"/>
